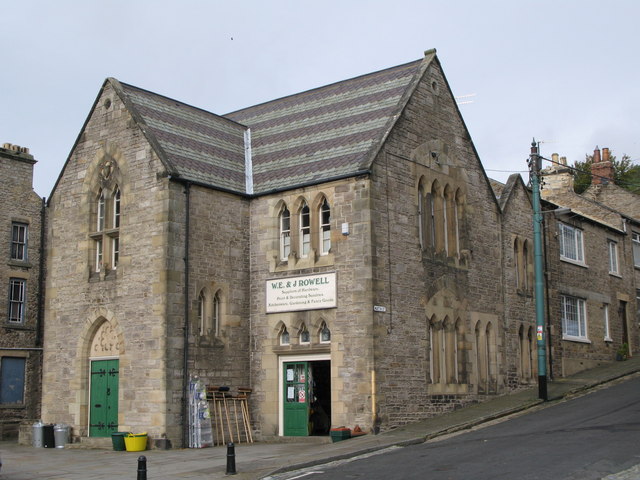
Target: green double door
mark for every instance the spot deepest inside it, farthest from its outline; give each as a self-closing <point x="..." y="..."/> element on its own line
<point x="103" y="414"/>
<point x="296" y="399"/>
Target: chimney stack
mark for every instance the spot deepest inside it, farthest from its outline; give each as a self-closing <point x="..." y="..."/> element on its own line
<point x="601" y="170"/>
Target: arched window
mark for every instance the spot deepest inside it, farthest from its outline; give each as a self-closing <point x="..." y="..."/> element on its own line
<point x="100" y="213"/>
<point x="517" y="262"/>
<point x="285" y="234"/>
<point x="324" y="333"/>
<point x="202" y="315"/>
<point x="431" y="223"/>
<point x="525" y="265"/>
<point x="305" y="338"/>
<point x="116" y="208"/>
<point x="325" y="228"/>
<point x="215" y="317"/>
<point x="284" y="336"/>
<point x="434" y="351"/>
<point x="421" y="218"/>
<point x="106" y="237"/>
<point x="305" y="230"/>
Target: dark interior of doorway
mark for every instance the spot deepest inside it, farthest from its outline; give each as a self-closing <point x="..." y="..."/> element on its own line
<point x="320" y="411"/>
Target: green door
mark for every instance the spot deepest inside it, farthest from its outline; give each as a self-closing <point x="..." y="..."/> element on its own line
<point x="296" y="399"/>
<point x="103" y="416"/>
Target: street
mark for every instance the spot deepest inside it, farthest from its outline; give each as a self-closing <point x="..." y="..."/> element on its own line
<point x="585" y="438"/>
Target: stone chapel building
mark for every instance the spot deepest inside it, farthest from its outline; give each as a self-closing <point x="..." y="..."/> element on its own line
<point x="339" y="251"/>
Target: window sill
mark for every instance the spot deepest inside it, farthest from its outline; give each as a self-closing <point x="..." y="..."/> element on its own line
<point x="574" y="262"/>
<point x="576" y="339"/>
<point x="608" y="340"/>
<point x="614" y="274"/>
<point x="19" y="263"/>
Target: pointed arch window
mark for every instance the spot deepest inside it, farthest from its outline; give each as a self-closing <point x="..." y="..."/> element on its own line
<point x="305" y="338"/>
<point x="106" y="236"/>
<point x="305" y="230"/>
<point x="284" y="336"/>
<point x="100" y="213"/>
<point x="325" y="333"/>
<point x="116" y="208"/>
<point x="202" y="309"/>
<point x="215" y="314"/>
<point x="421" y="219"/>
<point x="285" y="234"/>
<point x="325" y="228"/>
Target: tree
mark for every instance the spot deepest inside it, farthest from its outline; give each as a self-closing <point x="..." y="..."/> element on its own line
<point x="625" y="174"/>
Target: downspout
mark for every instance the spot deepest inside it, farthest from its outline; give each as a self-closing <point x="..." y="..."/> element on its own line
<point x="185" y="366"/>
<point x="40" y="315"/>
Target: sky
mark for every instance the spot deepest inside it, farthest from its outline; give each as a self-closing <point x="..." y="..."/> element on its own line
<point x="563" y="72"/>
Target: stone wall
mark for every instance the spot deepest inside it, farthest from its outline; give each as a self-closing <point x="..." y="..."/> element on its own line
<point x="20" y="204"/>
<point x="132" y="298"/>
<point x="593" y="283"/>
<point x="417" y="285"/>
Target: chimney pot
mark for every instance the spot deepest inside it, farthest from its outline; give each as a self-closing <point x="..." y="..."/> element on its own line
<point x="596" y="155"/>
<point x="605" y="154"/>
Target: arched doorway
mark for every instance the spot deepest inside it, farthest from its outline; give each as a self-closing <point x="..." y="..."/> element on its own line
<point x="104" y="381"/>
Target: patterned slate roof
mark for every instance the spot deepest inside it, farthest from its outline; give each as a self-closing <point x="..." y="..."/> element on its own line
<point x="197" y="145"/>
<point x="314" y="136"/>
<point x="324" y="133"/>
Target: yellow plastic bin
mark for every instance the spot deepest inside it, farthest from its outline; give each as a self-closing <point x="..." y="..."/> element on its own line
<point x="135" y="442"/>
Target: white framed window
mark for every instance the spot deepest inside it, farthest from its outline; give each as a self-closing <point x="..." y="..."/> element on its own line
<point x="635" y="239"/>
<point x="107" y="235"/>
<point x="99" y="254"/>
<point x="571" y="243"/>
<point x="305" y="230"/>
<point x="574" y="318"/>
<point x="19" y="236"/>
<point x="285" y="234"/>
<point x="605" y="320"/>
<point x="613" y="258"/>
<point x="100" y="212"/>
<point x="325" y="228"/>
<point x="17" y="300"/>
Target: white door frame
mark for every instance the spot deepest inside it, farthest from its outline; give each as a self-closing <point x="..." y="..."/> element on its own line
<point x="282" y="359"/>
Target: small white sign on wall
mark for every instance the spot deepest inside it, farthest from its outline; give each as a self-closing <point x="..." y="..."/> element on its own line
<point x="309" y="292"/>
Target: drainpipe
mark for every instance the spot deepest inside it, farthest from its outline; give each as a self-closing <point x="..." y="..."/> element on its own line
<point x="41" y="277"/>
<point x="185" y="366"/>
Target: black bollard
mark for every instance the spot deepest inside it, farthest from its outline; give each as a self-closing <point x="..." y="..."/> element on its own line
<point x="231" y="459"/>
<point x="142" y="467"/>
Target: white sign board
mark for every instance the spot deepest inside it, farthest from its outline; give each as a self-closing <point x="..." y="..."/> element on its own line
<point x="310" y="292"/>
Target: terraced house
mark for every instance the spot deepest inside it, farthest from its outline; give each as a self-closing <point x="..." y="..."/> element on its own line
<point x="340" y="252"/>
<point x="21" y="220"/>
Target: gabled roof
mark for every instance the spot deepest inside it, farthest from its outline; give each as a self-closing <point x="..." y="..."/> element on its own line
<point x="194" y="144"/>
<point x="325" y="133"/>
<point x="311" y="137"/>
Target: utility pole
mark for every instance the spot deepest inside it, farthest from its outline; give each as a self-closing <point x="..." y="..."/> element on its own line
<point x="535" y="165"/>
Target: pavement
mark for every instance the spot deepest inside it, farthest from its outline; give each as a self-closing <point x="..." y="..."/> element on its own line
<point x="264" y="460"/>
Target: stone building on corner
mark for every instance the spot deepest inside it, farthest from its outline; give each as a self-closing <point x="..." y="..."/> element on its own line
<point x="21" y="218"/>
<point x="341" y="252"/>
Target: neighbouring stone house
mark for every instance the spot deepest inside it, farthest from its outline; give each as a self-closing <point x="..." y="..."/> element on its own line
<point x="591" y="277"/>
<point x="21" y="218"/>
<point x="341" y="252"/>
